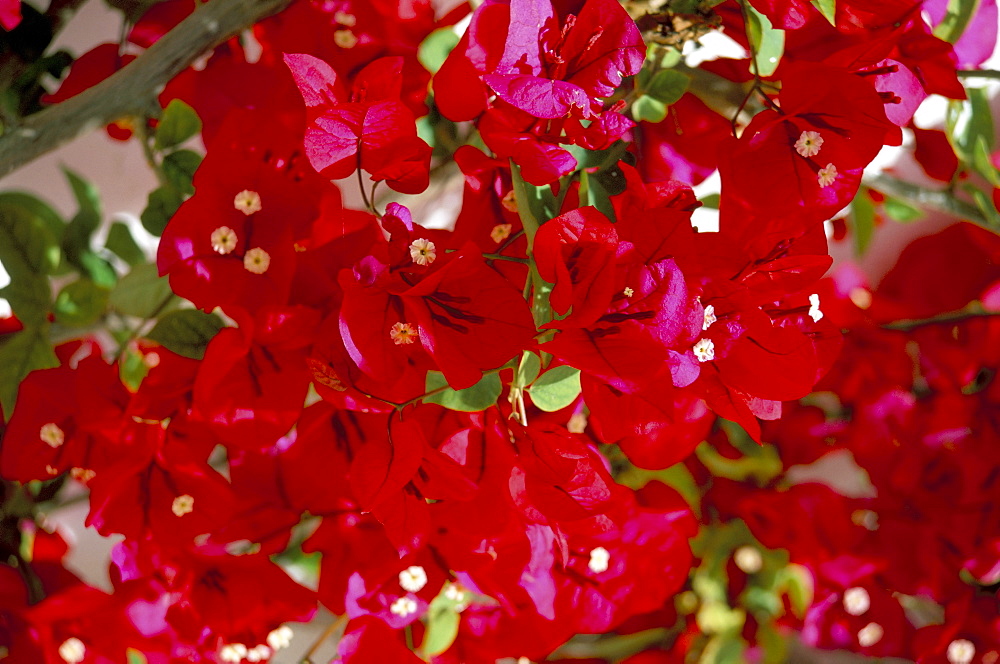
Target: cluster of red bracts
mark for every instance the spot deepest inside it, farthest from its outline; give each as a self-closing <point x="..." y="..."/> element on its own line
<point x="308" y="409"/>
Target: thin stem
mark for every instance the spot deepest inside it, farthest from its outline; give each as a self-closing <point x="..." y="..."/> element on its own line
<point x="134" y="332"/>
<point x="337" y="624"/>
<point x="943" y="201"/>
<point x="364" y="196"/>
<point x="972" y="311"/>
<point x="512" y="259"/>
<point x="978" y="73"/>
<point x="142" y="135"/>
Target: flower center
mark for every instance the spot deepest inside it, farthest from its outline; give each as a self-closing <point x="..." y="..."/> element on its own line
<point x="870" y="634"/>
<point x="182" y="505"/>
<point x="827" y="175"/>
<point x="73" y="651"/>
<point x="704" y="350"/>
<point x="500" y="232"/>
<point x="961" y="651"/>
<point x="402" y="607"/>
<point x="709" y="317"/>
<point x="809" y="143"/>
<point x="856" y="601"/>
<point x="52" y="435"/>
<point x="223" y="240"/>
<point x="599" y="559"/>
<point x="423" y="252"/>
<point x="413" y="578"/>
<point x="403" y="334"/>
<point x="257" y="261"/>
<point x="247" y="202"/>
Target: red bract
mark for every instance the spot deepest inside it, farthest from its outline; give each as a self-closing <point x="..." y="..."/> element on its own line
<point x="233" y="243"/>
<point x="803" y="163"/>
<point x="370" y="129"/>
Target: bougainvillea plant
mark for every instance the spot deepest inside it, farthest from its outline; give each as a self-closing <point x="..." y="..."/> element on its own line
<point x="580" y="413"/>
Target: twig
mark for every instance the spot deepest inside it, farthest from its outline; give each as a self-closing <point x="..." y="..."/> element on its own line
<point x="978" y="73"/>
<point x="942" y="201"/>
<point x="337" y="624"/>
<point x="972" y="311"/>
<point x="132" y="90"/>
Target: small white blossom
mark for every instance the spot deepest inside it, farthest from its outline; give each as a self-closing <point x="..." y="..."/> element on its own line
<point x="809" y="143"/>
<point x="233" y="652"/>
<point x="257" y="261"/>
<point x="280" y="638"/>
<point x="52" y="435"/>
<point x="961" y="651"/>
<point x="422" y="251"/>
<point x="748" y="559"/>
<point x="344" y="18"/>
<point x="500" y="232"/>
<point x="344" y="39"/>
<point x="704" y="350"/>
<point x="223" y="240"/>
<point x="628" y="292"/>
<point x="814" y="311"/>
<point x="827" y="175"/>
<point x="247" y="202"/>
<point x="870" y="634"/>
<point x="73" y="651"/>
<point x="856" y="601"/>
<point x="182" y="505"/>
<point x="258" y="653"/>
<point x="709" y="317"/>
<point x="599" y="559"/>
<point x="413" y="578"/>
<point x="402" y="334"/>
<point x="454" y="592"/>
<point x="402" y="607"/>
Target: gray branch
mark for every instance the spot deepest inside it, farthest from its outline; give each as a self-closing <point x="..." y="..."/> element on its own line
<point x="132" y="90"/>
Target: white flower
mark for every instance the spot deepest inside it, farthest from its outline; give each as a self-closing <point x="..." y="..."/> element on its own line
<point x="280" y="638"/>
<point x="402" y="334"/>
<point x="709" y="317"/>
<point x="870" y="634"/>
<point x="809" y="143"/>
<point x="247" y="202"/>
<point x="73" y="651"/>
<point x="257" y="260"/>
<point x="856" y="601"/>
<point x="814" y="311"/>
<point x="182" y="505"/>
<point x="961" y="651"/>
<point x="704" y="350"/>
<point x="423" y="252"/>
<point x="599" y="559"/>
<point x="52" y="435"/>
<point x="413" y="578"/>
<point x="402" y="607"/>
<point x="224" y="240"/>
<point x="748" y="559"/>
<point x="827" y="175"/>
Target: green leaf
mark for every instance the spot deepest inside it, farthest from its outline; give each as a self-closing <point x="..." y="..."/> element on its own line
<point x="764" y="464"/>
<point x="76" y="239"/>
<point x="160" y="207"/>
<point x="132" y="369"/>
<point x="178" y="123"/>
<point x="667" y="86"/>
<point x="434" y="50"/>
<point x="179" y="167"/>
<point x="556" y="388"/>
<point x="30" y="297"/>
<point x="527" y="370"/>
<point x="863" y="220"/>
<point x="41" y="211"/>
<point x="797" y="583"/>
<point x="27" y="246"/>
<point x="983" y="162"/>
<point x="25" y="351"/>
<point x="473" y="399"/>
<point x="186" y="332"/>
<point x="901" y="210"/>
<point x="593" y="192"/>
<point x="121" y="242"/>
<point x="442" y="625"/>
<point x="711" y="201"/>
<point x="766" y="41"/>
<point x="80" y="303"/>
<point x="969" y="122"/>
<point x="529" y="206"/>
<point x="986" y="206"/>
<point x="648" y="109"/>
<point x="956" y="19"/>
<point x="828" y="8"/>
<point x="141" y="293"/>
<point x="135" y="656"/>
